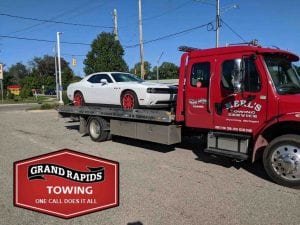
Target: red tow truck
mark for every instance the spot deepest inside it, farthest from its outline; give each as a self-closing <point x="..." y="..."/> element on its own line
<point x="244" y="99"/>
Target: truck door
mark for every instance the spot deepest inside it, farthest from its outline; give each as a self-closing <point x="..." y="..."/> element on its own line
<point x="197" y="113"/>
<point x="244" y="110"/>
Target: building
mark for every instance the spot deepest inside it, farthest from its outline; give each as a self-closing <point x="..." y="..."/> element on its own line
<point x="14" y="89"/>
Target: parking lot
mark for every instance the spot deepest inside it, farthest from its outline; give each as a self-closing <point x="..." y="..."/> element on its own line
<point x="158" y="185"/>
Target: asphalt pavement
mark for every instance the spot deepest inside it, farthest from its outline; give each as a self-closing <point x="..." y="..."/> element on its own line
<point x="158" y="185"/>
<point x="16" y="107"/>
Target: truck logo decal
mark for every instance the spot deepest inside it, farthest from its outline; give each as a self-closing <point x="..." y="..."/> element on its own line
<point x="243" y="109"/>
<point x="198" y="103"/>
<point x="243" y="103"/>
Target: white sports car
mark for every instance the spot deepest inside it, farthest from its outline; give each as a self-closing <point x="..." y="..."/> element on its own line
<point x="118" y="88"/>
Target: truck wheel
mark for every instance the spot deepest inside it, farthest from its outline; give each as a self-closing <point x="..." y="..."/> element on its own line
<point x="78" y="99"/>
<point x="98" y="129"/>
<point x="129" y="100"/>
<point x="282" y="160"/>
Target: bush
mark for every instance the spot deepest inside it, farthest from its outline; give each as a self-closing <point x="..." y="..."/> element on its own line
<point x="25" y="92"/>
<point x="10" y="95"/>
<point x="17" y="98"/>
<point x="48" y="106"/>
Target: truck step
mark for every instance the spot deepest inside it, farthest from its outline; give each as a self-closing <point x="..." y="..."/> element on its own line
<point x="230" y="154"/>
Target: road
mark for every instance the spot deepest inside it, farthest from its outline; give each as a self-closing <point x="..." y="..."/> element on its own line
<point x="16" y="107"/>
<point x="158" y="185"/>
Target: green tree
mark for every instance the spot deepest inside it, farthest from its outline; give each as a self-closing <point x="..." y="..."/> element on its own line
<point x="137" y="69"/>
<point x="45" y="66"/>
<point x="43" y="71"/>
<point x="67" y="77"/>
<point x="168" y="70"/>
<point x="106" y="55"/>
<point x="49" y="82"/>
<point x="28" y="83"/>
<point x="7" y="79"/>
<point x="17" y="72"/>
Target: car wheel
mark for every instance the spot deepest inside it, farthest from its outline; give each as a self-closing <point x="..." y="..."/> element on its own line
<point x="282" y="160"/>
<point x="78" y="99"/>
<point x="129" y="100"/>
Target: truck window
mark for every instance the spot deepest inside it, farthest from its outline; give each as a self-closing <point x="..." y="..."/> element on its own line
<point x="252" y="81"/>
<point x="200" y="74"/>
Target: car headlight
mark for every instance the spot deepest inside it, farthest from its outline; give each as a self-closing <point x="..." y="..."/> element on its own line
<point x="150" y="90"/>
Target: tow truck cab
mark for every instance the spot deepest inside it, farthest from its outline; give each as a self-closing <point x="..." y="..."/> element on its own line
<point x="245" y="98"/>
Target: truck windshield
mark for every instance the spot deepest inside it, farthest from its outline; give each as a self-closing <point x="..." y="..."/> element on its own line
<point x="283" y="74"/>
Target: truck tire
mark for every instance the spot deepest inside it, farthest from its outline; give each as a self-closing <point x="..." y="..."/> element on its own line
<point x="98" y="129"/>
<point x="129" y="100"/>
<point x="281" y="160"/>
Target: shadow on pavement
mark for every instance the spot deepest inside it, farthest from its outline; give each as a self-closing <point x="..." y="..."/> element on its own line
<point x="197" y="146"/>
<point x="144" y="144"/>
<point x="135" y="223"/>
<point x="72" y="127"/>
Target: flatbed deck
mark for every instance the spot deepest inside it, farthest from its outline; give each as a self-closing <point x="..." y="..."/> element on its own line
<point x="135" y="114"/>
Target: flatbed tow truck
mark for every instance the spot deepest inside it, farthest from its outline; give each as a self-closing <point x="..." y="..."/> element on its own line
<point x="244" y="99"/>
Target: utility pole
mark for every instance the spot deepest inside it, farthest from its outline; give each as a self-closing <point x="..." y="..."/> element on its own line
<point x="55" y="63"/>
<point x="1" y="80"/>
<point x="116" y="25"/>
<point x="59" y="67"/>
<point x="141" y="40"/>
<point x="217" y="22"/>
<point x="157" y="73"/>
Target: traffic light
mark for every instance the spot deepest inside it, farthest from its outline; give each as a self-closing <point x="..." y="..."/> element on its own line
<point x="74" y="62"/>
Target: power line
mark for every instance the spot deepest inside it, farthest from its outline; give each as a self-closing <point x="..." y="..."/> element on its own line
<point x="129" y="46"/>
<point x="53" y="21"/>
<point x="65" y="12"/>
<point x="170" y="35"/>
<point x="168" y="11"/>
<point x="42" y="40"/>
<point x="236" y="33"/>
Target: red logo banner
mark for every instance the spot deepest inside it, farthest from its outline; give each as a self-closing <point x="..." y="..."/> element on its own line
<point x="66" y="183"/>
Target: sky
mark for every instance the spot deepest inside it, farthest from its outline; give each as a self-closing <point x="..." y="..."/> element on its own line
<point x="271" y="22"/>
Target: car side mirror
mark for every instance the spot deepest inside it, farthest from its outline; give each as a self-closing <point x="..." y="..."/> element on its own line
<point x="103" y="81"/>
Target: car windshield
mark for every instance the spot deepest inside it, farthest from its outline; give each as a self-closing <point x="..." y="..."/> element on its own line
<point x="283" y="74"/>
<point x="126" y="77"/>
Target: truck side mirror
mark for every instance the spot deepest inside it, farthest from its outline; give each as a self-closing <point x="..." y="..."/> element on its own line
<point x="238" y="75"/>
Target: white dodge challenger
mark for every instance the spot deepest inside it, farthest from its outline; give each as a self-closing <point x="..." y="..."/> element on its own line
<point x="118" y="88"/>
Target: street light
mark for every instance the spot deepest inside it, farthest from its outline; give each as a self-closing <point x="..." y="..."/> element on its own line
<point x="59" y="67"/>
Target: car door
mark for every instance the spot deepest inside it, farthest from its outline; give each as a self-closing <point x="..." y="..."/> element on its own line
<point x="198" y="113"/>
<point x="99" y="93"/>
<point x="243" y="111"/>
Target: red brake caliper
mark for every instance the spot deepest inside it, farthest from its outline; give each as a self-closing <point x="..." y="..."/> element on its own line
<point x="77" y="100"/>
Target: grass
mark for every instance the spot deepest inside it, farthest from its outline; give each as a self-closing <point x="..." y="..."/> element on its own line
<point x="45" y="106"/>
<point x="39" y="99"/>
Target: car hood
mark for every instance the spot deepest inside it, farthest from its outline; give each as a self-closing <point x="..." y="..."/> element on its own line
<point x="147" y="84"/>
